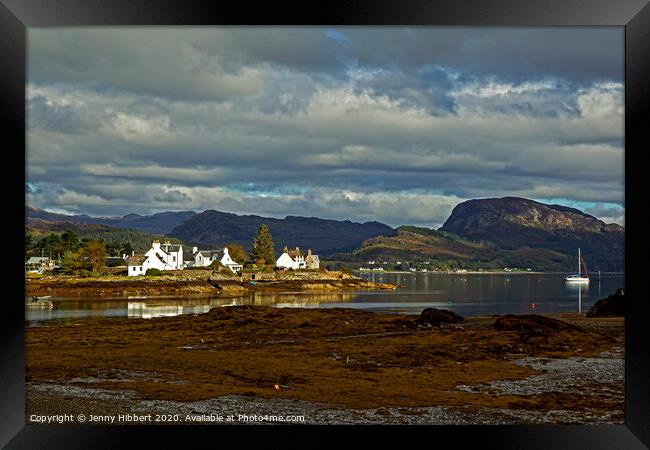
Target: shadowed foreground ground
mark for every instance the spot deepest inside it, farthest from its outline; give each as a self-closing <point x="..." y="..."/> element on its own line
<point x="332" y="365"/>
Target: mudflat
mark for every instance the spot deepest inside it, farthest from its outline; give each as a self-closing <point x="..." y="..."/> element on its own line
<point x="341" y="359"/>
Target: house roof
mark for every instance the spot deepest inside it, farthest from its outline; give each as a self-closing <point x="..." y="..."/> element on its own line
<point x="210" y="253"/>
<point x="170" y="248"/>
<point x="312" y="258"/>
<point x="37" y="259"/>
<point x="136" y="260"/>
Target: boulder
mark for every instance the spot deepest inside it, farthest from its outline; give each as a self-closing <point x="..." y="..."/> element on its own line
<point x="532" y="324"/>
<point x="434" y="317"/>
<point x="614" y="305"/>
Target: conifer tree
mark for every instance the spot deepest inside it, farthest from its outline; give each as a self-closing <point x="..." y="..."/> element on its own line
<point x="263" y="248"/>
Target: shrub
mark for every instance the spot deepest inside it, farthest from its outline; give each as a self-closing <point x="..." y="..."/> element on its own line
<point x="154" y="272"/>
<point x="225" y="271"/>
<point x="216" y="264"/>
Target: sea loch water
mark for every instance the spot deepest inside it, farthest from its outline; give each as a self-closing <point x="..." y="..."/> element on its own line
<point x="466" y="294"/>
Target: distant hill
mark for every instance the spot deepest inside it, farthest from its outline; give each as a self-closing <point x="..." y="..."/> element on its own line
<point x="512" y="223"/>
<point x="161" y="223"/>
<point x="448" y="251"/>
<point x="503" y="232"/>
<point x="140" y="240"/>
<point x="426" y="243"/>
<point x="214" y="229"/>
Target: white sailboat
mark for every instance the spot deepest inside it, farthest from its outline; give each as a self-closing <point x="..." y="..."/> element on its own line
<point x="578" y="278"/>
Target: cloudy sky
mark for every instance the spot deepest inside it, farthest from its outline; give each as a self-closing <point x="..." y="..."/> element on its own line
<point x="391" y="124"/>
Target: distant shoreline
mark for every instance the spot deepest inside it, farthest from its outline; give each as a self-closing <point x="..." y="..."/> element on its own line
<point x="469" y="272"/>
<point x="454" y="273"/>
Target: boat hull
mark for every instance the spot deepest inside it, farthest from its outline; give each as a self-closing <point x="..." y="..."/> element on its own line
<point x="576" y="280"/>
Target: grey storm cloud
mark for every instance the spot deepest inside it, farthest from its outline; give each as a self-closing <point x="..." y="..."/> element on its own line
<point x="514" y="53"/>
<point x="46" y="116"/>
<point x="172" y="196"/>
<point x="389" y="124"/>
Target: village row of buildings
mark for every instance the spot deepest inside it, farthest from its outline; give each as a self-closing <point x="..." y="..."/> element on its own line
<point x="168" y="256"/>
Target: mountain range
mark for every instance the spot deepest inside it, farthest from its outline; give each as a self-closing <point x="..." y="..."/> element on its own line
<point x="214" y="229"/>
<point x="161" y="223"/>
<point x="482" y="233"/>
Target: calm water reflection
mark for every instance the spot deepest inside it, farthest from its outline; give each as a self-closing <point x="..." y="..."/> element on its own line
<point x="467" y="294"/>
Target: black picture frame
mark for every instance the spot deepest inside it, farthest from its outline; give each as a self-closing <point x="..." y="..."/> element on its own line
<point x="634" y="15"/>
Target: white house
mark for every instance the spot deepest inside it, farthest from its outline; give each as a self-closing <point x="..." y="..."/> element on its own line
<point x="135" y="265"/>
<point x="172" y="254"/>
<point x="139" y="264"/>
<point x="171" y="257"/>
<point x="39" y="263"/>
<point x="291" y="259"/>
<point x="230" y="263"/>
<point x="162" y="257"/>
<point x="204" y="258"/>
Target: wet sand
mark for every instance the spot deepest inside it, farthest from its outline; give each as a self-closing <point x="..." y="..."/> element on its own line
<point x="330" y="365"/>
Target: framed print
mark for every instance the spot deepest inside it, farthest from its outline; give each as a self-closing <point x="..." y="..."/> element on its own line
<point x="372" y="218"/>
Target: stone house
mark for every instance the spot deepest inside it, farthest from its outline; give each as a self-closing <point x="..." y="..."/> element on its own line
<point x="312" y="261"/>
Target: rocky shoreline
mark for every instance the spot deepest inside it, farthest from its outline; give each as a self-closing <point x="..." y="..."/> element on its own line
<point x="190" y="283"/>
<point x="555" y="375"/>
<point x="333" y="366"/>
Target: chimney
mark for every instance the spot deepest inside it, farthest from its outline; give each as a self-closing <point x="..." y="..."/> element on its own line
<point x="225" y="250"/>
<point x="132" y="252"/>
<point x="308" y="252"/>
<point x="195" y="249"/>
<point x="285" y="249"/>
<point x="168" y="243"/>
<point x="156" y="244"/>
<point x="297" y="249"/>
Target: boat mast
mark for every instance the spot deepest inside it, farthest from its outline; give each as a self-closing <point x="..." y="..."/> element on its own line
<point x="579" y="269"/>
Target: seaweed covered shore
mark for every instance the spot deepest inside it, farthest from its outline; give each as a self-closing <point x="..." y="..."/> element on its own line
<point x="334" y="365"/>
<point x="191" y="282"/>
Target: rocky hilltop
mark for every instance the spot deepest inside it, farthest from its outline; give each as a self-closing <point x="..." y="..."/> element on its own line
<point x="512" y="223"/>
<point x="504" y="232"/>
<point x="496" y="217"/>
